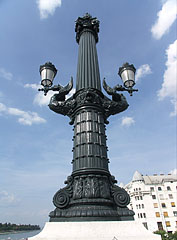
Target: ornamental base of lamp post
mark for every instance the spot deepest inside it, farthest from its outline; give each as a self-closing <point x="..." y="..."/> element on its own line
<point x="91" y="193"/>
<point x="124" y="230"/>
<point x="99" y="205"/>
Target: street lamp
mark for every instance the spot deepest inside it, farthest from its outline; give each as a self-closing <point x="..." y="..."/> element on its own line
<point x="47" y="71"/>
<point x="127" y="74"/>
<point x="91" y="193"/>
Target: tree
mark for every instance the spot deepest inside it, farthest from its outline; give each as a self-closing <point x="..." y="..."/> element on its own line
<point x="166" y="235"/>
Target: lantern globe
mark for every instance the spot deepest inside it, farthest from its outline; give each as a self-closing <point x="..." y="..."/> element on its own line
<point x="127" y="74"/>
<point x="47" y="72"/>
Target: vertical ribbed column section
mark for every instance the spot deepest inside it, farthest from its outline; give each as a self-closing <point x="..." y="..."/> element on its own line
<point x="88" y="75"/>
<point x="90" y="150"/>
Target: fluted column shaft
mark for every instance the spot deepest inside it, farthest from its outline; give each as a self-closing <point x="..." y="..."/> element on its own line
<point x="88" y="75"/>
<point x="90" y="150"/>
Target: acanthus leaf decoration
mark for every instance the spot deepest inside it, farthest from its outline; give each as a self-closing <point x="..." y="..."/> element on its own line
<point x="86" y="23"/>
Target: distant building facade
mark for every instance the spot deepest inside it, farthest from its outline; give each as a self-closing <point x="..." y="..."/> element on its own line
<point x="154" y="201"/>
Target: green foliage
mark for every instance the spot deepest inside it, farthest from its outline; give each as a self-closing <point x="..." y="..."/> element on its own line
<point x="7" y="227"/>
<point x="167" y="236"/>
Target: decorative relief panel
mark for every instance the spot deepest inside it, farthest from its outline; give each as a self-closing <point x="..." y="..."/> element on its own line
<point x="91" y="187"/>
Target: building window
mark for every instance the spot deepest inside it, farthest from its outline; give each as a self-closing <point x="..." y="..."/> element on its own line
<point x="138" y="215"/>
<point x="172" y="204"/>
<point x="144" y="215"/>
<point x="145" y="225"/>
<point x="153" y="196"/>
<point x="168" y="188"/>
<point x="155" y="205"/>
<point x="170" y="196"/>
<point x="163" y="205"/>
<point x="139" y="206"/>
<point x="175" y="213"/>
<point x="157" y="214"/>
<point x="131" y="206"/>
<point x="160" y="226"/>
<point x="141" y="215"/>
<point x="168" y="224"/>
<point x="159" y="189"/>
<point x="152" y="189"/>
<point x="165" y="214"/>
<point x="161" y="196"/>
<point x="142" y="205"/>
<point x="141" y="198"/>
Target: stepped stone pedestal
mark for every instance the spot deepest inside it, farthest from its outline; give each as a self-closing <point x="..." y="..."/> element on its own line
<point x="97" y="230"/>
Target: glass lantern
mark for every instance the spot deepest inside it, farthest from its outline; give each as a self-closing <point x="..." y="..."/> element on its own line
<point x="127" y="74"/>
<point x="47" y="72"/>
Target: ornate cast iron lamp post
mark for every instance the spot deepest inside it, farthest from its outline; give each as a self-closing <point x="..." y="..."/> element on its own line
<point x="91" y="193"/>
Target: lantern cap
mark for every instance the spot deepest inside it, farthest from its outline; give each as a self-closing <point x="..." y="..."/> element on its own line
<point x="126" y="66"/>
<point x="48" y="65"/>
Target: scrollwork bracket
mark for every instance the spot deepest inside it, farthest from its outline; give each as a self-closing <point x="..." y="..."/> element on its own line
<point x="61" y="198"/>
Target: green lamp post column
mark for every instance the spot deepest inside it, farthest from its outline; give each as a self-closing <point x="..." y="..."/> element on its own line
<point x="91" y="193"/>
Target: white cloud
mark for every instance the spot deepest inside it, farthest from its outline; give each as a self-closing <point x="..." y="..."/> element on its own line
<point x="166" y="17"/>
<point x="2" y="107"/>
<point x="174" y="113"/>
<point x="142" y="71"/>
<point x="71" y="93"/>
<point x="47" y="7"/>
<point x="33" y="86"/>
<point x="174" y="171"/>
<point x="25" y="118"/>
<point x="39" y="98"/>
<point x="5" y="74"/>
<point x="42" y="100"/>
<point x="169" y="86"/>
<point x="127" y="121"/>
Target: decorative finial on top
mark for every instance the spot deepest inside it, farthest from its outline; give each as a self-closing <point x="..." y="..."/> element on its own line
<point x="86" y="23"/>
<point x="87" y="15"/>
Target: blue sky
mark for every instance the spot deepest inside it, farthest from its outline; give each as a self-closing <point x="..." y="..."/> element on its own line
<point x="35" y="143"/>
